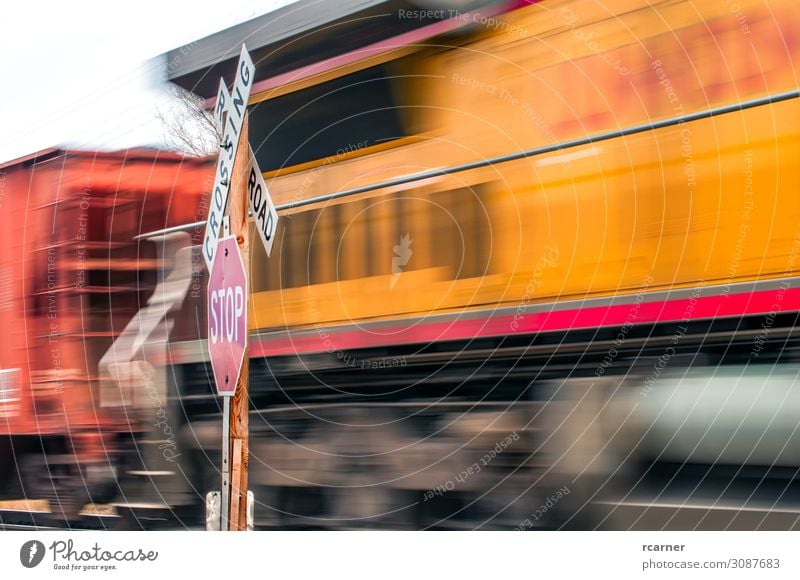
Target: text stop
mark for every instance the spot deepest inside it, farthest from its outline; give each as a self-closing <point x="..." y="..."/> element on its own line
<point x="227" y="311"/>
<point x="227" y="315"/>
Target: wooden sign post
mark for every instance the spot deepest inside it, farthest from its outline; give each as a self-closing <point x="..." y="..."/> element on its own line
<point x="238" y="438"/>
<point x="238" y="186"/>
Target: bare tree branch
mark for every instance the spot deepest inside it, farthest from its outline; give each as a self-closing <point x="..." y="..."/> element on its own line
<point x="188" y="127"/>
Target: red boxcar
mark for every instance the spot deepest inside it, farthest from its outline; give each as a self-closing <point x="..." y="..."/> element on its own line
<point x="72" y="277"/>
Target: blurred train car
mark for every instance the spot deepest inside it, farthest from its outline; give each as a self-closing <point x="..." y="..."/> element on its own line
<point x="537" y="265"/>
<point x="74" y="280"/>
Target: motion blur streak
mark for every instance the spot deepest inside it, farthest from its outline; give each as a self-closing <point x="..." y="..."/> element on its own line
<point x="582" y="333"/>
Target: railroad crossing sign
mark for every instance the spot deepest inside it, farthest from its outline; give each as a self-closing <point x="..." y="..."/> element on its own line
<point x="236" y="109"/>
<point x="227" y="284"/>
<point x="227" y="315"/>
<point x="261" y="205"/>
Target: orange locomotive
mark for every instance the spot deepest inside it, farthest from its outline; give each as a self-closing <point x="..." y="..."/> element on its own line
<point x="495" y="215"/>
<point x="601" y="206"/>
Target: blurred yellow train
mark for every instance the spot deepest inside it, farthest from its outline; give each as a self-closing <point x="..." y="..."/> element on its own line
<point x="509" y="216"/>
<point x="599" y="208"/>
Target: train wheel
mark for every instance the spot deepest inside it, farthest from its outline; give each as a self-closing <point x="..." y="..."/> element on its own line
<point x="586" y="426"/>
<point x="56" y="481"/>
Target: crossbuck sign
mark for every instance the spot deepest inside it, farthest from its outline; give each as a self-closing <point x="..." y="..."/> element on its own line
<point x="236" y="108"/>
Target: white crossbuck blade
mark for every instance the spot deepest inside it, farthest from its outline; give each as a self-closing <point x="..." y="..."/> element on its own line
<point x="239" y="96"/>
<point x="261" y="205"/>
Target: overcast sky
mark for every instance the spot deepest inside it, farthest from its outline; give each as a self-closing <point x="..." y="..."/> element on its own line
<point x="82" y="73"/>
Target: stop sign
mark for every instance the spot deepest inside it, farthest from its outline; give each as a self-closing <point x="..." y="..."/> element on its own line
<point x="227" y="315"/>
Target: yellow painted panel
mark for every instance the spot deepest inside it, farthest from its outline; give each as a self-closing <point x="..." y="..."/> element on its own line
<point x="715" y="201"/>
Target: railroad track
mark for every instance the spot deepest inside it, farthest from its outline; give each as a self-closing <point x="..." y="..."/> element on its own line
<point x="36" y="515"/>
<point x="43" y="521"/>
<point x="681" y="514"/>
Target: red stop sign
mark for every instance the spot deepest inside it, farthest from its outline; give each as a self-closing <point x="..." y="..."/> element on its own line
<point x="227" y="315"/>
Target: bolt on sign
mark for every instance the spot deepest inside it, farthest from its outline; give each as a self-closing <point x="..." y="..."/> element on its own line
<point x="236" y="108"/>
<point x="227" y="315"/>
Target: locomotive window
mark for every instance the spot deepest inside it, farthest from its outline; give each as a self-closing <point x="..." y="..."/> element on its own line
<point x="472" y="214"/>
<point x="461" y="231"/>
<point x="267" y="271"/>
<point x="352" y="112"/>
<point x="359" y="239"/>
<point x="295" y="249"/>
<point x="353" y="249"/>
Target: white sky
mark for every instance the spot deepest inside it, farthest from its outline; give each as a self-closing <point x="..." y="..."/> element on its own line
<point x="82" y="74"/>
